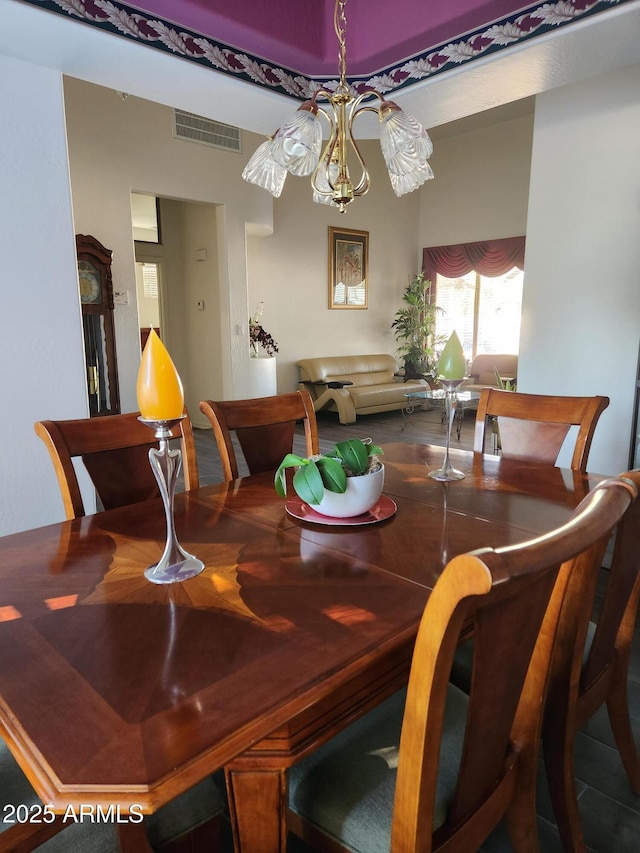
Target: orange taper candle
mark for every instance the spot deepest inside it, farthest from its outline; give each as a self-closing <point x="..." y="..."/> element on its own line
<point x="159" y="389"/>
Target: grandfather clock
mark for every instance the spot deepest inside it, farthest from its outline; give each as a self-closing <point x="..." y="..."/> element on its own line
<point x="634" y="453"/>
<point x="96" y="298"/>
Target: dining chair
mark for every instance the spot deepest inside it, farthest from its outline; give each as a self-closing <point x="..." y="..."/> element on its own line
<point x="435" y="769"/>
<point x="115" y="453"/>
<point x="264" y="428"/>
<point x="590" y="668"/>
<point x="193" y="818"/>
<point x="533" y="427"/>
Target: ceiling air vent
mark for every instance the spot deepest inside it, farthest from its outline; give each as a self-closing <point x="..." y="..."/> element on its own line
<point x="205" y="131"/>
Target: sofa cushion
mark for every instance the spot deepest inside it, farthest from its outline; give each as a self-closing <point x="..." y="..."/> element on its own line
<point x="364" y="379"/>
<point x="359" y="369"/>
<point x="368" y="396"/>
<point x="355" y="384"/>
<point x="483" y="369"/>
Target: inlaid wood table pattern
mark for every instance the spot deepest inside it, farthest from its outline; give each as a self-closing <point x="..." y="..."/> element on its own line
<point x="114" y="690"/>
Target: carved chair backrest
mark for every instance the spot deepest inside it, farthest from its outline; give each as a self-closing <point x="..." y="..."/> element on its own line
<point x="533" y="427"/>
<point x="264" y="427"/>
<point x="510" y="598"/>
<point x="115" y="452"/>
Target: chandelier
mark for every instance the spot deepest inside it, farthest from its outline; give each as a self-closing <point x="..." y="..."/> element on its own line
<point x="296" y="147"/>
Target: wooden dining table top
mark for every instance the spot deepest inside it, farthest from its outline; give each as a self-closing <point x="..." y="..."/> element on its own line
<point x="117" y="690"/>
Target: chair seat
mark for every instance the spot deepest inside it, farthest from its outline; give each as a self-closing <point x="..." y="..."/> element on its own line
<point x="346" y="787"/>
<point x="178" y="817"/>
<point x="14" y="785"/>
<point x="188" y="811"/>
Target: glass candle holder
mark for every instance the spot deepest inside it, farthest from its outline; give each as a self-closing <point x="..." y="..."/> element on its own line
<point x="175" y="564"/>
<point x="447" y="471"/>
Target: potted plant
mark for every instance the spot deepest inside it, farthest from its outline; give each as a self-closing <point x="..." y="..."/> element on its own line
<point x="258" y="337"/>
<point x="343" y="483"/>
<point x="415" y="329"/>
<point x="504" y="385"/>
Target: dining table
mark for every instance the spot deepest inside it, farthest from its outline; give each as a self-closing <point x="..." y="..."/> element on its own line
<point x="118" y="691"/>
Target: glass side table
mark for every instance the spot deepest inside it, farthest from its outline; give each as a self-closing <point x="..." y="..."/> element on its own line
<point x="466" y="400"/>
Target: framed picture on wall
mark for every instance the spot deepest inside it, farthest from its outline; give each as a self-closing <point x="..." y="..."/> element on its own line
<point x="348" y="268"/>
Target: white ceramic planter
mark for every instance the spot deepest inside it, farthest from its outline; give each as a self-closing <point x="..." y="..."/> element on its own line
<point x="362" y="494"/>
<point x="262" y="377"/>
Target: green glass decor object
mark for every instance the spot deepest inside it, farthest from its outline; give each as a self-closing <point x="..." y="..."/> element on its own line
<point x="452" y="364"/>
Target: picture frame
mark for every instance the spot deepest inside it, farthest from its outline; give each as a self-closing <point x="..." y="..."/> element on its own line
<point x="348" y="268"/>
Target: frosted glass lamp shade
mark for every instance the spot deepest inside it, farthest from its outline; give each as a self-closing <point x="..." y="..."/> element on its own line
<point x="403" y="184"/>
<point x="403" y="140"/>
<point x="263" y="171"/>
<point x="297" y="144"/>
<point x="321" y="182"/>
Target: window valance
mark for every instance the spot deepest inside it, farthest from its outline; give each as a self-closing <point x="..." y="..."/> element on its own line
<point x="489" y="257"/>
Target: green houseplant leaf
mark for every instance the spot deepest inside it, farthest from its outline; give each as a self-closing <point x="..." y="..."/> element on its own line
<point x="289" y="461"/>
<point x="307" y="481"/>
<point x="333" y="474"/>
<point x="414" y="326"/>
<point x="328" y="472"/>
<point x="354" y="455"/>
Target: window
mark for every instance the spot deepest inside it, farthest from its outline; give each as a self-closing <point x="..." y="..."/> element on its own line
<point x="150" y="280"/>
<point x="484" y="311"/>
<point x="479" y="288"/>
<point x="148" y="290"/>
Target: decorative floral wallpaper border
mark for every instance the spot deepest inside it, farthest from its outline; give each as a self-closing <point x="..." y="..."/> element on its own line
<point x="126" y="21"/>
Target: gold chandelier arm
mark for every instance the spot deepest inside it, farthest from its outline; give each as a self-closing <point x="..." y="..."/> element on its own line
<point x="328" y="117"/>
<point x="368" y="109"/>
<point x="321" y="91"/>
<point x="323" y="162"/>
<point x="325" y="157"/>
<point x="368" y="93"/>
<point x="362" y="186"/>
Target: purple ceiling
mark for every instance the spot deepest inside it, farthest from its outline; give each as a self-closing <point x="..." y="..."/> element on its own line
<point x="299" y="34"/>
<point x="290" y="46"/>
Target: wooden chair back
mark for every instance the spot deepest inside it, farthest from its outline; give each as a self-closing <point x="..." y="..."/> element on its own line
<point x="510" y="598"/>
<point x="264" y="427"/>
<point x="590" y="667"/>
<point x="115" y="452"/>
<point x="533" y="427"/>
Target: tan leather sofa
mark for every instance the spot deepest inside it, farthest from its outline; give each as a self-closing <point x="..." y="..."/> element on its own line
<point x="370" y="384"/>
<point x="483" y="371"/>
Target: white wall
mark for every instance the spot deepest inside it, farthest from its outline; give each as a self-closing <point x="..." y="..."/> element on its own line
<point x="116" y="147"/>
<point x="289" y="271"/>
<point x="201" y="285"/>
<point x="581" y="307"/>
<point x="41" y="348"/>
<point x="481" y="185"/>
<point x="189" y="257"/>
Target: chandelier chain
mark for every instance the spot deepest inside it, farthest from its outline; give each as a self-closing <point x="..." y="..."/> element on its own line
<point x="340" y="25"/>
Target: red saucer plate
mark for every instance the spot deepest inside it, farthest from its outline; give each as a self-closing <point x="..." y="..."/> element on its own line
<point x="384" y="509"/>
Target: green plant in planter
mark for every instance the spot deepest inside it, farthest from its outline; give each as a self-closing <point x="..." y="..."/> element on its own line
<point x="504" y="384"/>
<point x="351" y="458"/>
<point x="415" y="328"/>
